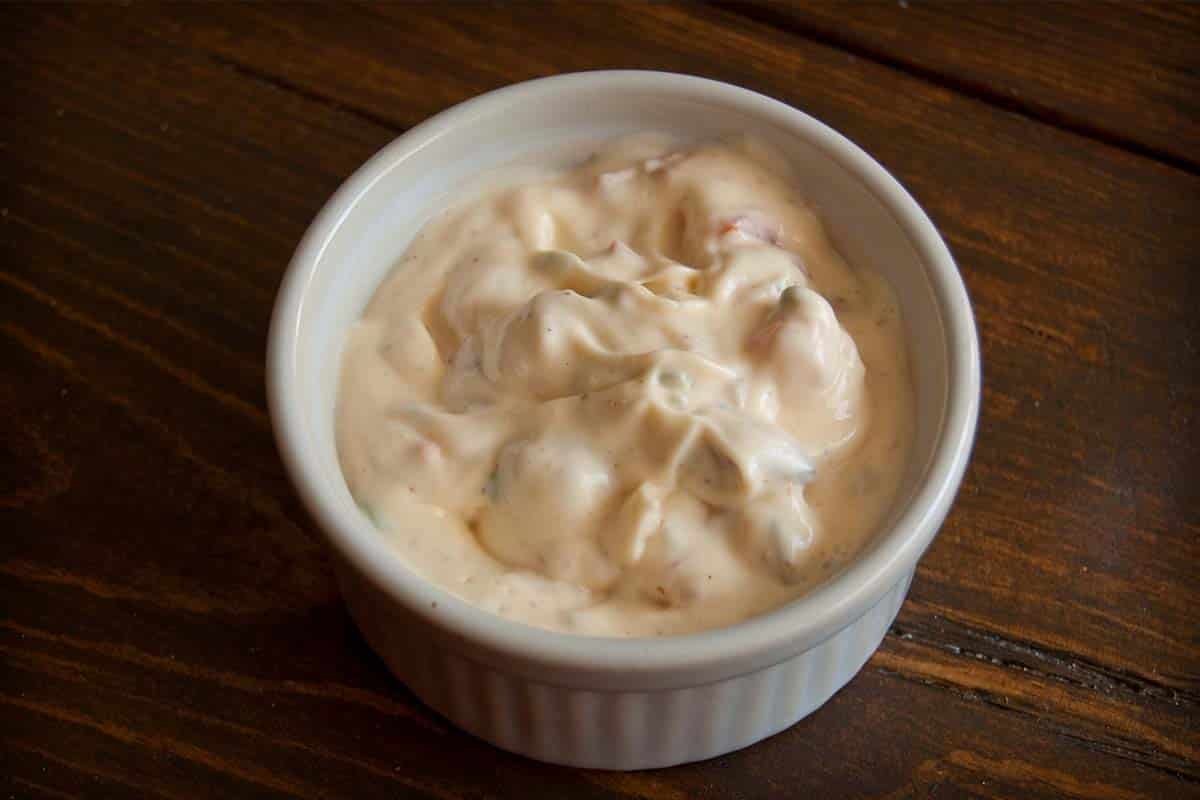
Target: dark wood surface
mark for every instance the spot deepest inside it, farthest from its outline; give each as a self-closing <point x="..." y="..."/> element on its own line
<point x="1123" y="73"/>
<point x="169" y="625"/>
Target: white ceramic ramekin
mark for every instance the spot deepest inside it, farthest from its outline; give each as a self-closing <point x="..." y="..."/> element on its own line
<point x="611" y="703"/>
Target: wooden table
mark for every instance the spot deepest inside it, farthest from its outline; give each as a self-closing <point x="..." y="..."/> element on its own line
<point x="170" y="626"/>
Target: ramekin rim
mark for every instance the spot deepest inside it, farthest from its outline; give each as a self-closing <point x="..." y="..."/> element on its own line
<point x="796" y="626"/>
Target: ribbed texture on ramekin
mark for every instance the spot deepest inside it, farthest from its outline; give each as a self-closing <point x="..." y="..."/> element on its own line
<point x="627" y="730"/>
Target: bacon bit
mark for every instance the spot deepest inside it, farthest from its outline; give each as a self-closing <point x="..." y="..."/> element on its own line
<point x="752" y="227"/>
<point x="619" y="248"/>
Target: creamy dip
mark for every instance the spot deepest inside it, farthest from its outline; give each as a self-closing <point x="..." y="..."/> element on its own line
<point x="642" y="396"/>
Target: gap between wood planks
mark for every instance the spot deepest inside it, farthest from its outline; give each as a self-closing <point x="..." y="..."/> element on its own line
<point x="771" y="18"/>
<point x="284" y="85"/>
<point x="1063" y="685"/>
<point x="1065" y="667"/>
<point x="977" y="90"/>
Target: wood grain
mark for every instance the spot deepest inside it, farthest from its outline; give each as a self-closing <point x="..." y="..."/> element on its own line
<point x="168" y="618"/>
<point x="1125" y="73"/>
<point x="1033" y="228"/>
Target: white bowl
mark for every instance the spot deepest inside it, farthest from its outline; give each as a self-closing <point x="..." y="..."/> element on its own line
<point x="617" y="703"/>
